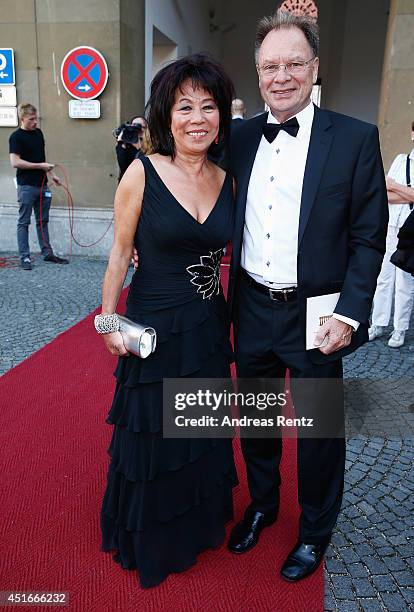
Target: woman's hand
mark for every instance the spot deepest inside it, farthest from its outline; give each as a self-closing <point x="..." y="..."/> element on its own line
<point x="115" y="344"/>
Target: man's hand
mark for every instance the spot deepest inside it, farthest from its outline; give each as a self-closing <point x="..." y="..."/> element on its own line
<point x="56" y="180"/>
<point x="135" y="259"/>
<point x="339" y="336"/>
<point x="46" y="166"/>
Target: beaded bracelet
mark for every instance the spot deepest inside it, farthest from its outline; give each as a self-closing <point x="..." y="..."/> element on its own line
<point x="106" y="324"/>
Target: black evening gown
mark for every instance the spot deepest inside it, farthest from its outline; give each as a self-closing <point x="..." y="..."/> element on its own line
<point x="166" y="500"/>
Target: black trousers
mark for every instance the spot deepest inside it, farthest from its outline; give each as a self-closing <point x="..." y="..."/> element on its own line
<point x="267" y="343"/>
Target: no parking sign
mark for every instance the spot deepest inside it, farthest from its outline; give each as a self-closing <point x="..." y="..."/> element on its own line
<point x="84" y="73"/>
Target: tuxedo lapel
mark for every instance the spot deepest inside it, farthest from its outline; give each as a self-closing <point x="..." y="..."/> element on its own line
<point x="319" y="145"/>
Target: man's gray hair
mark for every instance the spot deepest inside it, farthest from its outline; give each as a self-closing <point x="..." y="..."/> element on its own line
<point x="283" y="19"/>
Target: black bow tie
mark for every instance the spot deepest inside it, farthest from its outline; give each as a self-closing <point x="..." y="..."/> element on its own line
<point x="271" y="130"/>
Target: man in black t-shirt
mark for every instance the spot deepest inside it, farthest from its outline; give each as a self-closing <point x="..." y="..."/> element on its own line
<point x="27" y="155"/>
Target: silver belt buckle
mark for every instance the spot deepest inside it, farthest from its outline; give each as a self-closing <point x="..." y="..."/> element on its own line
<point x="271" y="291"/>
<point x="285" y="294"/>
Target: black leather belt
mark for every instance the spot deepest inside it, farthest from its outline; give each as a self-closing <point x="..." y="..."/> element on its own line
<point x="277" y="295"/>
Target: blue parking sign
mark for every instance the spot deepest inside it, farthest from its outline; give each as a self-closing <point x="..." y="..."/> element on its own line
<point x="7" y="76"/>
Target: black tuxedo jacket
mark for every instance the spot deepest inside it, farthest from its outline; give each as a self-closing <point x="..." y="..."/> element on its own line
<point x="343" y="215"/>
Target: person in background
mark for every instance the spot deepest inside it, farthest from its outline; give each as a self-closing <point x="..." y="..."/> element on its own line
<point x="27" y="155"/>
<point x="238" y="111"/>
<point x="394" y="285"/>
<point x="126" y="152"/>
<point x="403" y="257"/>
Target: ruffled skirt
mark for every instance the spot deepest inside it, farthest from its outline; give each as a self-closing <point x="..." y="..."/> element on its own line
<point x="167" y="499"/>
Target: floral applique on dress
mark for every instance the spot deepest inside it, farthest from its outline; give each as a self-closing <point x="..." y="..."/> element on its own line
<point x="206" y="274"/>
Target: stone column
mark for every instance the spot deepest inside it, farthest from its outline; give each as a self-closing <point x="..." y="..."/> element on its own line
<point x="397" y="90"/>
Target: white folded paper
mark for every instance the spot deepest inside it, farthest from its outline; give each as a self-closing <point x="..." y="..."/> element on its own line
<point x="318" y="310"/>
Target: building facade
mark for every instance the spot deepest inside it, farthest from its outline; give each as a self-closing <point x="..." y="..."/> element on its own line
<point x="366" y="70"/>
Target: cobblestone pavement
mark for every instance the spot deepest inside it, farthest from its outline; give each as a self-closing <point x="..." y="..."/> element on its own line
<point x="370" y="563"/>
<point x="41" y="303"/>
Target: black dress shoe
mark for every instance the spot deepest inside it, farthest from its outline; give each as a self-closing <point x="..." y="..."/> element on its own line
<point x="55" y="259"/>
<point x="245" y="534"/>
<point x="303" y="561"/>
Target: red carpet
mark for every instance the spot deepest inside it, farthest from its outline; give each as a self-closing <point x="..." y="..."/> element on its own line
<point x="53" y="464"/>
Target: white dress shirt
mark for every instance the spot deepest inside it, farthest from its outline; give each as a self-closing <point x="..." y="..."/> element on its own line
<point x="270" y="237"/>
<point x="399" y="212"/>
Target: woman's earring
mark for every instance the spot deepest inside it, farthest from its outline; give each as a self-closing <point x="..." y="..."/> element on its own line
<point x="216" y="141"/>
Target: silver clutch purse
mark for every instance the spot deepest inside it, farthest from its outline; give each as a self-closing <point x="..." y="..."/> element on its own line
<point x="140" y="340"/>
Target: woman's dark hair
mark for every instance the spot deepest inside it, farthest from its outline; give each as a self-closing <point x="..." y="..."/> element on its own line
<point x="203" y="72"/>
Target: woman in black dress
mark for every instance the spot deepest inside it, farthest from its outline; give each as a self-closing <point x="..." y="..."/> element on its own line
<point x="168" y="499"/>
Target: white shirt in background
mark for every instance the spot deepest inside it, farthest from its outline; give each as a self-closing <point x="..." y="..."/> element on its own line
<point x="399" y="212"/>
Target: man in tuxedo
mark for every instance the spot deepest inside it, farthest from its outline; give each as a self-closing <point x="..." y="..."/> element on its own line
<point x="311" y="219"/>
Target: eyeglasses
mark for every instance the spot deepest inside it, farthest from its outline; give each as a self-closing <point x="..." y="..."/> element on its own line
<point x="270" y="70"/>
